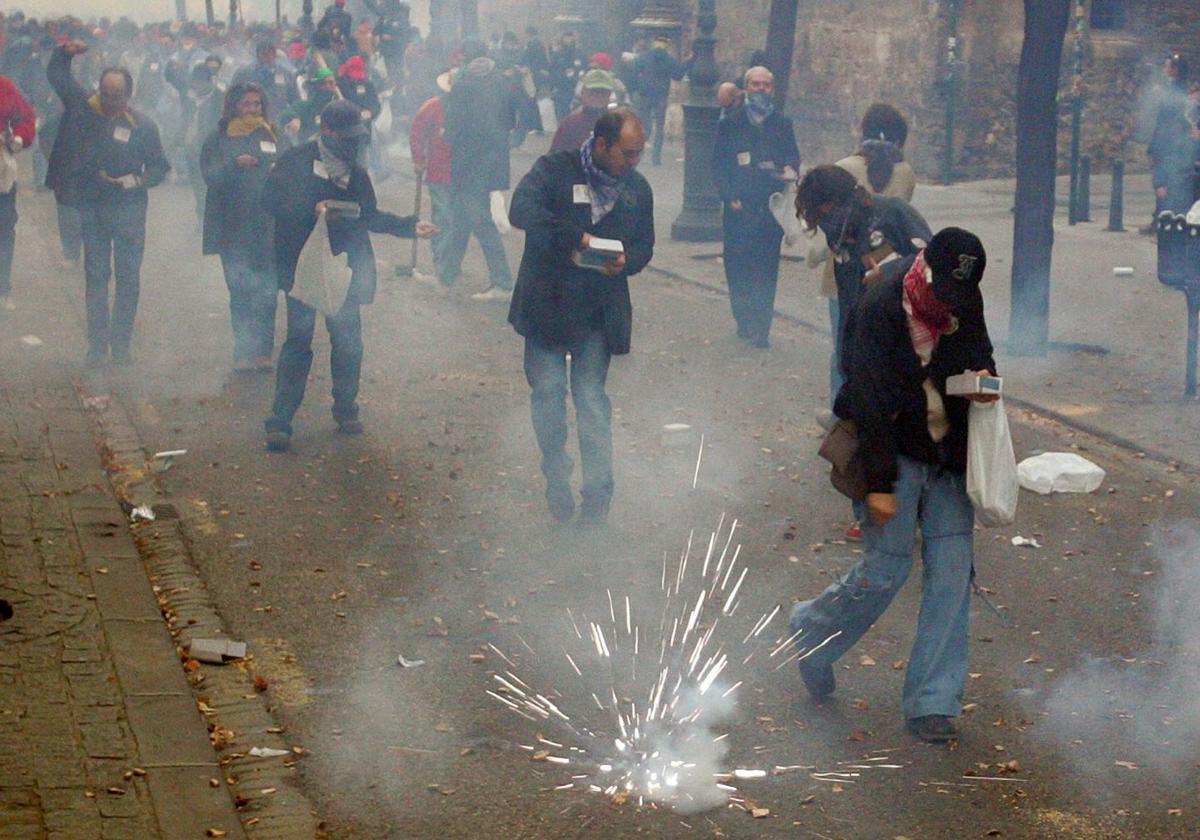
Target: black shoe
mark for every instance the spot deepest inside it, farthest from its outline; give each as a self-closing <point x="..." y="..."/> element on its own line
<point x="122" y="358"/>
<point x="761" y="342"/>
<point x="934" y="729"/>
<point x="350" y="427"/>
<point x="593" y="514"/>
<point x="561" y="501"/>
<point x="743" y="333"/>
<point x="95" y="359"/>
<point x="818" y="679"/>
<point x="278" y="441"/>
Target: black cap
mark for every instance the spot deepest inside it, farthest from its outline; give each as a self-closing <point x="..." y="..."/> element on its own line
<point x="343" y="118"/>
<point x="957" y="260"/>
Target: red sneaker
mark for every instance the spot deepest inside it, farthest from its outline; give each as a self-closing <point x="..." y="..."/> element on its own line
<point x="854" y="533"/>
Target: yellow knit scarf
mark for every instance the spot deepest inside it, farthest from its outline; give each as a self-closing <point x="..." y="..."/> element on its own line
<point x="245" y="126"/>
<point x="94" y="104"/>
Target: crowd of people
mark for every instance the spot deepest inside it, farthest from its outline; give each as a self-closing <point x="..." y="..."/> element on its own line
<point x="279" y="134"/>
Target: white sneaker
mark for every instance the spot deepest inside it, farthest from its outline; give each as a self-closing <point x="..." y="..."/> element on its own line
<point x="493" y="293"/>
<point x="426" y="279"/>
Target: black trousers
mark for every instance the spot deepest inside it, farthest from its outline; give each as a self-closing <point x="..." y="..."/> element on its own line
<point x="8" y="238"/>
<point x="752" y="272"/>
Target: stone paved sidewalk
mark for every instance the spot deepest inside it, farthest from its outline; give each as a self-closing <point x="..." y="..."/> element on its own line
<point x="100" y="736"/>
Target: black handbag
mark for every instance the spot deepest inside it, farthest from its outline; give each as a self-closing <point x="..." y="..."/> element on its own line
<point x="840" y="448"/>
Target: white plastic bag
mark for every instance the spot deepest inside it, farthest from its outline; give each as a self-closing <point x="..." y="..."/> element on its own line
<point x="1059" y="472"/>
<point x="783" y="208"/>
<point x="322" y="280"/>
<point x="991" y="465"/>
<point x="500" y="212"/>
<point x="546" y="111"/>
<point x="383" y="123"/>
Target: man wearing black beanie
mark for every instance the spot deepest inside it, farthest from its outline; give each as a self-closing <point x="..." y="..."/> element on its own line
<point x="918" y="325"/>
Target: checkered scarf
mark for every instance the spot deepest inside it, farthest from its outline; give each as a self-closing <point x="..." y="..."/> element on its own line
<point x="928" y="318"/>
<point x="605" y="189"/>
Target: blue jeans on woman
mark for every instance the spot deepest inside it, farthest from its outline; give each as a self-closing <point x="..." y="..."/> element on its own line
<point x="937" y="668"/>
<point x="546" y="372"/>
<point x="253" y="296"/>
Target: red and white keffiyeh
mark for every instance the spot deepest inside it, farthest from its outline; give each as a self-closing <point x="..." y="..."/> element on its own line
<point x="928" y="318"/>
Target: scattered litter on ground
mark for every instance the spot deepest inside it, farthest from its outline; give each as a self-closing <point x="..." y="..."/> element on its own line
<point x="1022" y="542"/>
<point x="1059" y="472"/>
<point x="142" y="513"/>
<point x="1122" y="271"/>
<point x="409" y="663"/>
<point x="267" y="752"/>
<point x="216" y="651"/>
<point x="169" y="453"/>
<point x="31" y="341"/>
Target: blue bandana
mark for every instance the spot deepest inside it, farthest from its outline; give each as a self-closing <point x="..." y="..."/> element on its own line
<point x="605" y="189"/>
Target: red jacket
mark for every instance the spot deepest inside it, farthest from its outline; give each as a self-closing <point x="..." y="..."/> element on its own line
<point x="16" y="113"/>
<point x="425" y="141"/>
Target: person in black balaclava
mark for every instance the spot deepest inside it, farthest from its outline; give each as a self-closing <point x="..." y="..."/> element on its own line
<point x="297" y="193"/>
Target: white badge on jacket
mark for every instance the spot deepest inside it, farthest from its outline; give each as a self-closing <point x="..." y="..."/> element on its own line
<point x="583" y="194"/>
<point x="743" y="159"/>
<point x="122" y="134"/>
<point x="319" y="169"/>
<point x="267" y="147"/>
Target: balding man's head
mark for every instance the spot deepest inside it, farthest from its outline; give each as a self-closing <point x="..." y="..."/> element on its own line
<point x="759" y="80"/>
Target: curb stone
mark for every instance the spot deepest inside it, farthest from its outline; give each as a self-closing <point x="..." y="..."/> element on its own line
<point x="266" y="791"/>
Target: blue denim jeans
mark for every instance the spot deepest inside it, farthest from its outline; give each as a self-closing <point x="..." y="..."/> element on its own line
<point x="295" y="361"/>
<point x="114" y="241"/>
<point x="471" y="213"/>
<point x="439" y="200"/>
<point x="937" y="667"/>
<point x="253" y="295"/>
<point x="547" y="373"/>
<point x="752" y="273"/>
<point x="8" y="237"/>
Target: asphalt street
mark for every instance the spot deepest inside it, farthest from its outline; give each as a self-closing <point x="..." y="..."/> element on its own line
<point x="427" y="538"/>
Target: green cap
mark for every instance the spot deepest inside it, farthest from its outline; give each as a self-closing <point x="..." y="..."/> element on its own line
<point x="598" y="79"/>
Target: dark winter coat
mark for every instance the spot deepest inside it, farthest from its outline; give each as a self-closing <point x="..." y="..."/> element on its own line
<point x="363" y="95"/>
<point x="235" y="220"/>
<point x="747" y="161"/>
<point x="555" y="301"/>
<point x="89" y="142"/>
<point x="884" y="391"/>
<point x="292" y="192"/>
<point x="654" y="71"/>
<point x="894" y="226"/>
<point x="481" y="111"/>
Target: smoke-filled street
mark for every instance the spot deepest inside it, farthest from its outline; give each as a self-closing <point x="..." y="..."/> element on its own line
<point x="427" y="539"/>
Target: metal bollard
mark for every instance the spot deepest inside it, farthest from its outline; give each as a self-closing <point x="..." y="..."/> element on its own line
<point x="1083" y="212"/>
<point x="1116" y="202"/>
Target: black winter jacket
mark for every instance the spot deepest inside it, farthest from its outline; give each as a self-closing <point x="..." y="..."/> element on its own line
<point x="292" y="192"/>
<point x="555" y="301"/>
<point x="747" y="160"/>
<point x="481" y="110"/>
<point x="89" y="142"/>
<point x="884" y="392"/>
<point x="235" y="221"/>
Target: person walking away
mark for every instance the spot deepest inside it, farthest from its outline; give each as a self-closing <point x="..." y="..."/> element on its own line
<point x="431" y="155"/>
<point x="911" y="331"/>
<point x="480" y="113"/>
<point x="277" y="83"/>
<point x="754" y="157"/>
<point x="563" y="309"/>
<point x="18" y="129"/>
<point x="296" y="192"/>
<point x="105" y="158"/>
<point x="1172" y="148"/>
<point x="595" y="94"/>
<point x="656" y="68"/>
<point x="235" y="162"/>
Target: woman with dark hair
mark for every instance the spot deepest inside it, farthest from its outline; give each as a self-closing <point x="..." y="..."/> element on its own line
<point x="236" y="160"/>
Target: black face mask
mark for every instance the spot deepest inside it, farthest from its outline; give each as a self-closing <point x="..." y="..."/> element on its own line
<point x="321" y="98"/>
<point x="841" y="223"/>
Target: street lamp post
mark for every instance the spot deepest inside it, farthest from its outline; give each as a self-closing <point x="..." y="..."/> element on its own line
<point x="700" y="220"/>
<point x="1074" y="213"/>
<point x="953" y="54"/>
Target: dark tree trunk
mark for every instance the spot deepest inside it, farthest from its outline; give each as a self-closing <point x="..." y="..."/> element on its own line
<point x="781" y="43"/>
<point x="1037" y="162"/>
<point x="209" y="14"/>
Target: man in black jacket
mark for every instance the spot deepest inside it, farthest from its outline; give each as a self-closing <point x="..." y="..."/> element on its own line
<point x="106" y="156"/>
<point x="296" y="195"/>
<point x="755" y="156"/>
<point x="562" y="308"/>
<point x="921" y="323"/>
